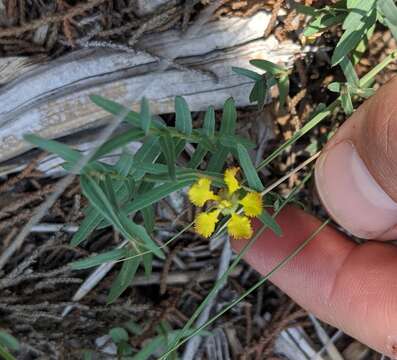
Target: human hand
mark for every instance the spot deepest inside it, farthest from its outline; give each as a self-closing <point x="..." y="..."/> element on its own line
<point x="353" y="287"/>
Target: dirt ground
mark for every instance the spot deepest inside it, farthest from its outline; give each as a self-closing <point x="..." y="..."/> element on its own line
<point x="36" y="285"/>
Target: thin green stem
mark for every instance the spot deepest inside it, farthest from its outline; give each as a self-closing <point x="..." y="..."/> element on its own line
<point x="305" y="129"/>
<point x="222" y="279"/>
<point x="366" y="80"/>
<point x="280" y="265"/>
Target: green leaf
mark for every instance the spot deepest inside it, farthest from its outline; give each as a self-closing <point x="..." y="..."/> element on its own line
<point x="88" y="355"/>
<point x="116" y="109"/>
<point x="98" y="199"/>
<point x="389" y="10"/>
<point x="197" y="157"/>
<point x="52" y="146"/>
<point x="247" y="73"/>
<point x="183" y="118"/>
<point x="218" y="159"/>
<point x="134" y="231"/>
<point x="269" y="221"/>
<point x="258" y="93"/>
<point x="346" y="101"/>
<point x="96" y="260"/>
<point x="209" y="122"/>
<point x="145" y="115"/>
<point x="148" y="152"/>
<point x="272" y="68"/>
<point x="283" y="88"/>
<point x="147" y="260"/>
<point x="229" y="117"/>
<point x="9" y="341"/>
<point x="323" y="22"/>
<point x="108" y="187"/>
<point x="335" y="87"/>
<point x="167" y="145"/>
<point x="346" y="44"/>
<point x="88" y="225"/>
<point x="251" y="175"/>
<point x="304" y="9"/>
<point x="155" y="195"/>
<point x="349" y="71"/>
<point x="116" y="217"/>
<point x="365" y="93"/>
<point x="4" y="354"/>
<point x="118" y="334"/>
<point x="358" y="13"/>
<point x="209" y="130"/>
<point x="233" y="140"/>
<point x="124" y="278"/>
<point x="352" y="37"/>
<point x="119" y="141"/>
<point x="124" y="164"/>
<point x="362" y="46"/>
<point x="149" y="217"/>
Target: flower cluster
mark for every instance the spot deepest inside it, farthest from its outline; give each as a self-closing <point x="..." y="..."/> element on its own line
<point x="226" y="202"/>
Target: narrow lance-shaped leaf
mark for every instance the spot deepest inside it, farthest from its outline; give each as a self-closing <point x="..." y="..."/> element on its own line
<point x="249" y="169"/>
<point x="346" y="100"/>
<point x="4" y="354"/>
<point x="269" y="221"/>
<point x="99" y="259"/>
<point x="352" y="37"/>
<point x="125" y="277"/>
<point x="349" y="71"/>
<point x="323" y="22"/>
<point x="138" y="233"/>
<point x="209" y="130"/>
<point x="168" y="148"/>
<point x="148" y="152"/>
<point x="389" y="11"/>
<point x="247" y="73"/>
<point x="283" y="88"/>
<point x="145" y="115"/>
<point x="272" y="68"/>
<point x="55" y="147"/>
<point x="116" y="109"/>
<point x="183" y="118"/>
<point x="118" y="142"/>
<point x="356" y="17"/>
<point x="9" y="341"/>
<point x="229" y="117"/>
<point x="155" y="195"/>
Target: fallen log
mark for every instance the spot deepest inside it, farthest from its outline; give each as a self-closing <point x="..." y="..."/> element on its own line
<point x="52" y="99"/>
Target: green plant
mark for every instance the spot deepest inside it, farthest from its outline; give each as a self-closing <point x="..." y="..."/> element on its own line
<point x="7" y="343"/>
<point x="123" y="195"/>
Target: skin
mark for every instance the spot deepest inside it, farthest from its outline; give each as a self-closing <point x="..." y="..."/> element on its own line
<point x="352" y="287"/>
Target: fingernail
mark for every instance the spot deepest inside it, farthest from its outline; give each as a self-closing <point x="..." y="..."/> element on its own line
<point x="351" y="194"/>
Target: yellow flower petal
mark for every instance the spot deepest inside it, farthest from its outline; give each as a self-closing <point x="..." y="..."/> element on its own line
<point x="231" y="180"/>
<point x="239" y="227"/>
<point x="252" y="204"/>
<point x="205" y="223"/>
<point x="200" y="192"/>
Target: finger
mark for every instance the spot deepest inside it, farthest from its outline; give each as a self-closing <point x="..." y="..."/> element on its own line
<point x="356" y="176"/>
<point x="353" y="287"/>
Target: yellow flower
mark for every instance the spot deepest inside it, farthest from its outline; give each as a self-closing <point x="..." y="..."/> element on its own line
<point x="205" y="223"/>
<point x="226" y="202"/>
<point x="252" y="204"/>
<point x="240" y="227"/>
<point x="231" y="180"/>
<point x="200" y="192"/>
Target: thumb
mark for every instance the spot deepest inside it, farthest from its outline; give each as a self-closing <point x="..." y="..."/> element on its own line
<point x="356" y="175"/>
